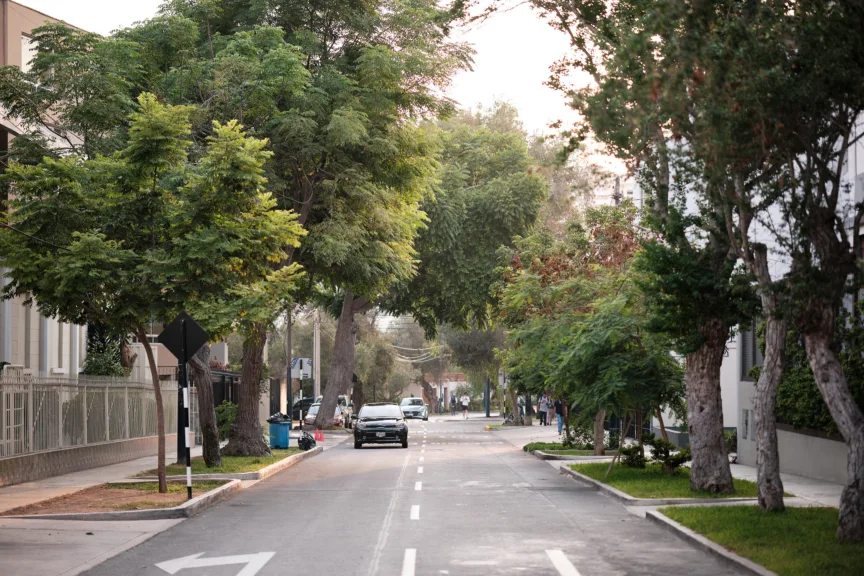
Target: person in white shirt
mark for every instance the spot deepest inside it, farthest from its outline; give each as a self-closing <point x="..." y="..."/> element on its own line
<point x="465" y="400"/>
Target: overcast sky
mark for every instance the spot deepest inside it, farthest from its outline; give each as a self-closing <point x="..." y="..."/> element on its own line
<point x="514" y="51"/>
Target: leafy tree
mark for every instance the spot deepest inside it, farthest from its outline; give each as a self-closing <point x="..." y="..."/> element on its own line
<point x="141" y="235"/>
<point x="103" y="352"/>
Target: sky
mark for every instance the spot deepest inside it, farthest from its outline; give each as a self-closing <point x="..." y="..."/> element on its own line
<point x="513" y="53"/>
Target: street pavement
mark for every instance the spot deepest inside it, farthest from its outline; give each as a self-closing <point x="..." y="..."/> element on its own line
<point x="458" y="501"/>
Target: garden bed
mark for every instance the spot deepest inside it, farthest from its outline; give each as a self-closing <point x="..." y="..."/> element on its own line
<point x="118" y="497"/>
<point x="798" y="542"/>
<point x="230" y="464"/>
<point x="556" y="446"/>
<point x="652" y="482"/>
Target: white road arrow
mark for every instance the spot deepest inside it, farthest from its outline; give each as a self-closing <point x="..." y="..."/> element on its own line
<point x="254" y="562"/>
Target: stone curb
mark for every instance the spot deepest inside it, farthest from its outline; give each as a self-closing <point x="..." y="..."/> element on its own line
<point x="546" y="456"/>
<point x="726" y="556"/>
<point x="185" y="510"/>
<point x="631" y="501"/>
<point x="261" y="474"/>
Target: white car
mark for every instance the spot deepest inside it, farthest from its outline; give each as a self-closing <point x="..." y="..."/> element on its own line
<point x="414" y="408"/>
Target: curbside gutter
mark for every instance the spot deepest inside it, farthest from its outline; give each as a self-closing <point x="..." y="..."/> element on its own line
<point x="186" y="510"/>
<point x="632" y="501"/>
<point x="700" y="541"/>
<point x="546" y="456"/>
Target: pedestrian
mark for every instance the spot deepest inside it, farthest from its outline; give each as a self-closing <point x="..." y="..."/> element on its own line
<point x="559" y="413"/>
<point x="521" y="403"/>
<point x="453" y="404"/>
<point x="464" y="400"/>
<point x="542" y="407"/>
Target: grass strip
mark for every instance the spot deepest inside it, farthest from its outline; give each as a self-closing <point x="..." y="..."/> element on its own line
<point x="652" y="482"/>
<point x="230" y="464"/>
<point x="197" y="486"/>
<point x="578" y="452"/>
<point x="798" y="542"/>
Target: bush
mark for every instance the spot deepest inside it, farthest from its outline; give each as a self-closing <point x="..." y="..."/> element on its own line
<point x="632" y="457"/>
<point x="613" y="439"/>
<point x="578" y="436"/>
<point x="664" y="453"/>
<point x="731" y="441"/>
<point x="226" y="413"/>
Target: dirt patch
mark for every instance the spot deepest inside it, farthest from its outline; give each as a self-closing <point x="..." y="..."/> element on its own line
<point x="107" y="498"/>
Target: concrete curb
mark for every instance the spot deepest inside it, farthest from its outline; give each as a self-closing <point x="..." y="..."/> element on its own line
<point x="185" y="510"/>
<point x="726" y="556"/>
<point x="631" y="501"/>
<point x="261" y="474"/>
<point x="546" y="456"/>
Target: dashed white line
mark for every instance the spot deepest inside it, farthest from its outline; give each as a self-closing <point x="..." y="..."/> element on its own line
<point x="415" y="512"/>
<point x="409" y="561"/>
<point x="561" y="563"/>
<point x="418" y="486"/>
<point x="421" y="458"/>
<point x="419" y="470"/>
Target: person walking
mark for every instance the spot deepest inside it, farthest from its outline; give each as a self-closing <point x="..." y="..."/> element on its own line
<point x="559" y="413"/>
<point x="521" y="402"/>
<point x="453" y="404"/>
<point x="542" y="407"/>
<point x="465" y="400"/>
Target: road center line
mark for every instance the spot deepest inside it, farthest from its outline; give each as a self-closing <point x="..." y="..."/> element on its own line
<point x="409" y="561"/>
<point x="421" y="458"/>
<point x="415" y="512"/>
<point x="385" y="526"/>
<point x="561" y="563"/>
<point x="419" y="470"/>
<point x="418" y="486"/>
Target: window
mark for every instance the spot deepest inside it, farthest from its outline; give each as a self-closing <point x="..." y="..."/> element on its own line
<point x="60" y="345"/>
<point x="411" y="402"/>
<point x="28" y="52"/>
<point x="751" y="353"/>
<point x="380" y="411"/>
<point x="745" y="424"/>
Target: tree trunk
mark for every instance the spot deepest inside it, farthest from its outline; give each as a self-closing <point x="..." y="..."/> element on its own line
<point x="514" y="401"/>
<point x="599" y="433"/>
<point x="341" y="366"/>
<point x="831" y="381"/>
<point x="289" y="383"/>
<point x="202" y="376"/>
<point x="160" y="414"/>
<point x="245" y="437"/>
<point x="768" y="483"/>
<point x="358" y="397"/>
<point x="663" y="432"/>
<point x="710" y="468"/>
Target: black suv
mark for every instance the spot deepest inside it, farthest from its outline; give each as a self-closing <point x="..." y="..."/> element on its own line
<point x="380" y="423"/>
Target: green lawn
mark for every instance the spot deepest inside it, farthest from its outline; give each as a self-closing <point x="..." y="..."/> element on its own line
<point x="798" y="542"/>
<point x="577" y="452"/>
<point x="230" y="464"/>
<point x="652" y="482"/>
<point x="546" y="446"/>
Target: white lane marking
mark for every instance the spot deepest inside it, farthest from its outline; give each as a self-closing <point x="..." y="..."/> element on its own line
<point x="388" y="519"/>
<point x="422" y="450"/>
<point x="421" y="458"/>
<point x="409" y="561"/>
<point x="415" y="512"/>
<point x="253" y="562"/>
<point x="561" y="563"/>
<point x="418" y="486"/>
<point x="419" y="470"/>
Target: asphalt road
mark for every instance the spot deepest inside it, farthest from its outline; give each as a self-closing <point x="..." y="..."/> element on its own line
<point x="458" y="501"/>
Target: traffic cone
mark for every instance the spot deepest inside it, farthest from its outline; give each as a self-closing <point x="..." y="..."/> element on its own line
<point x="322" y="435"/>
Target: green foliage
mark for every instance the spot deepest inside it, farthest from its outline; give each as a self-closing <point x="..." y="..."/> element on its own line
<point x="731" y="440"/>
<point x="103" y="352"/>
<point x="668" y="455"/>
<point x="632" y="456"/>
<point x="653" y="482"/>
<point x="226" y="414"/>
<point x="613" y="439"/>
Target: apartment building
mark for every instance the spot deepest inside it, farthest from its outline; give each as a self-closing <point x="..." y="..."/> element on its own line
<point x="28" y="339"/>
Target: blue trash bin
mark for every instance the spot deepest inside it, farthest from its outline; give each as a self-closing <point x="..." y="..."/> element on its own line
<point x="279" y="434"/>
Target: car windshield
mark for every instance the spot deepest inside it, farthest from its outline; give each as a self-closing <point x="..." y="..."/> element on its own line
<point x="411" y="402"/>
<point x="313" y="409"/>
<point x="387" y="411"/>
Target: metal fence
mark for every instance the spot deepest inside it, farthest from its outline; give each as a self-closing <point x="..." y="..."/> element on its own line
<point x="42" y="413"/>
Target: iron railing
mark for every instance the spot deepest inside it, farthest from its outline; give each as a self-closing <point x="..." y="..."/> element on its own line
<point x="43" y="413"/>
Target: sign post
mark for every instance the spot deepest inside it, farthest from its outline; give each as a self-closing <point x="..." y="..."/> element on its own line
<point x="184" y="337"/>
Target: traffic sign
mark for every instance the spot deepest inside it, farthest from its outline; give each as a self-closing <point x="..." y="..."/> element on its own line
<point x="172" y="336"/>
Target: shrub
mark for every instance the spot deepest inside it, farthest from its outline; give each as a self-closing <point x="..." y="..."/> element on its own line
<point x="226" y="413"/>
<point x="632" y="457"/>
<point x="613" y="439"/>
<point x="731" y="441"/>
<point x="664" y="453"/>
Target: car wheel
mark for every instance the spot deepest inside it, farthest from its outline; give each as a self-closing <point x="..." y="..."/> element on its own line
<point x="426" y="419"/>
<point x="405" y="443"/>
<point x="357" y="445"/>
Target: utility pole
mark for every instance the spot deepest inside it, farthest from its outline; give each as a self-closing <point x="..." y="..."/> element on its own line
<point x="487" y="399"/>
<point x="316" y="356"/>
<point x="617" y="194"/>
<point x="289" y="402"/>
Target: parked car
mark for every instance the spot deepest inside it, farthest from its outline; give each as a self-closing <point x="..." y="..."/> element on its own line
<point x="414" y="408"/>
<point x="302" y="404"/>
<point x="347" y="408"/>
<point x="338" y="417"/>
<point x="380" y="423"/>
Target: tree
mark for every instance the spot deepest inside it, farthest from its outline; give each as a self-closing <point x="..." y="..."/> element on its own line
<point x="103" y="352"/>
<point x="146" y="233"/>
<point x="691" y="282"/>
